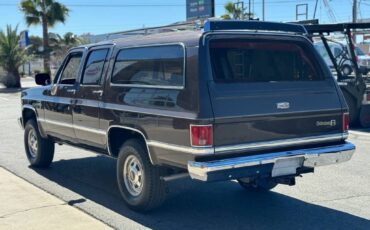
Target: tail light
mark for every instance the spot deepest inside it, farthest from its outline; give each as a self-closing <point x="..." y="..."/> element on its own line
<point x="345" y="122"/>
<point x="201" y="135"/>
<point x="368" y="97"/>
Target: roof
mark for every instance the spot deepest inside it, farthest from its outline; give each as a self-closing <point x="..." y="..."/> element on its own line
<point x="189" y="38"/>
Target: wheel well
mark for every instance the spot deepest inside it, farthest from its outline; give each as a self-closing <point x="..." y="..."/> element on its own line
<point x="28" y="114"/>
<point x="117" y="136"/>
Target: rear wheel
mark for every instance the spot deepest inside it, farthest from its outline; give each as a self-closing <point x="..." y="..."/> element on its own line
<point x="138" y="180"/>
<point x="353" y="113"/>
<point x="263" y="184"/>
<point x="39" y="150"/>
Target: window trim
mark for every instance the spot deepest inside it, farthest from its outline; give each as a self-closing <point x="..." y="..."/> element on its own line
<point x="102" y="73"/>
<point x="67" y="59"/>
<point x="182" y="45"/>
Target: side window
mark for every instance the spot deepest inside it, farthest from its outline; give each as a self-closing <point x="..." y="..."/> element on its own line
<point x="94" y="67"/>
<point x="337" y="52"/>
<point x="153" y="66"/>
<point x="70" y="71"/>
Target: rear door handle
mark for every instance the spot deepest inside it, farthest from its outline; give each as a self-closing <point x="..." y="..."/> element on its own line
<point x="71" y="91"/>
<point x="100" y="92"/>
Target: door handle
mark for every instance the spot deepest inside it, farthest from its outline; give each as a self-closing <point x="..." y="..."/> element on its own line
<point x="100" y="92"/>
<point x="71" y="91"/>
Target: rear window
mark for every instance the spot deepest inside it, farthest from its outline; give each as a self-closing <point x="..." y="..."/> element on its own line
<point x="241" y="60"/>
<point x="150" y="66"/>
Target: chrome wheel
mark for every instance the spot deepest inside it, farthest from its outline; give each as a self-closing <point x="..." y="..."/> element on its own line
<point x="133" y="175"/>
<point x="32" y="143"/>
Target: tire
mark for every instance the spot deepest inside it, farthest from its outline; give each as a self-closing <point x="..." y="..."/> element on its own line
<point x="39" y="150"/>
<point x="139" y="181"/>
<point x="353" y="112"/>
<point x="364" y="117"/>
<point x="346" y="70"/>
<point x="263" y="184"/>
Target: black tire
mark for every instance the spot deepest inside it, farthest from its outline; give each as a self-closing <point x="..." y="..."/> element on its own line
<point x="43" y="154"/>
<point x="364" y="117"/>
<point x="152" y="191"/>
<point x="263" y="184"/>
<point x="353" y="112"/>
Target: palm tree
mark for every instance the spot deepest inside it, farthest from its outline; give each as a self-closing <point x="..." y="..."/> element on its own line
<point x="11" y="56"/>
<point x="47" y="13"/>
<point x="235" y="12"/>
<point x="71" y="39"/>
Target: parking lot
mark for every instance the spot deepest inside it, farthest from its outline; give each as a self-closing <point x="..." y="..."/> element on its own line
<point x="334" y="197"/>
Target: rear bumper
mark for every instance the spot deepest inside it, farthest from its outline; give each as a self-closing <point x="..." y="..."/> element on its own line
<point x="263" y="164"/>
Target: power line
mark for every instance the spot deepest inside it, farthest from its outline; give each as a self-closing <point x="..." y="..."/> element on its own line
<point x="152" y="5"/>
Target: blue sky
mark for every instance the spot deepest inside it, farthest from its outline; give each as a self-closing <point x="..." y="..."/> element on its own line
<point x="85" y="17"/>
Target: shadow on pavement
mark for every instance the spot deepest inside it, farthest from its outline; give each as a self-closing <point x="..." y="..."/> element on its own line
<point x="12" y="90"/>
<point x="199" y="205"/>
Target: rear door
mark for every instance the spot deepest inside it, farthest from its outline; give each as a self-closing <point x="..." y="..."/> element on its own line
<point x="270" y="89"/>
<point x="86" y="112"/>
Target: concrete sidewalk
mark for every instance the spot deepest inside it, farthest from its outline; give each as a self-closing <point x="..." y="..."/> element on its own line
<point x="24" y="206"/>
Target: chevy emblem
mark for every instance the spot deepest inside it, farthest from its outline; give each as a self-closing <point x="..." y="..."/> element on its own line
<point x="283" y="105"/>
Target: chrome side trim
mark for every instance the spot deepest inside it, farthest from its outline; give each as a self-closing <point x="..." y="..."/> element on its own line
<point x="132" y="129"/>
<point x="313" y="157"/>
<point x="147" y="86"/>
<point x="120" y="107"/>
<point x="279" y="143"/>
<point x="156" y="112"/>
<point x="73" y="126"/>
<point x="184" y="149"/>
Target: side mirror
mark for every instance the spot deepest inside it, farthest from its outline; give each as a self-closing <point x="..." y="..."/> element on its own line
<point x="42" y="79"/>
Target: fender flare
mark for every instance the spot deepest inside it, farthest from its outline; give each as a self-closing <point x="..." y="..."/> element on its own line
<point x="130" y="129"/>
<point x="30" y="107"/>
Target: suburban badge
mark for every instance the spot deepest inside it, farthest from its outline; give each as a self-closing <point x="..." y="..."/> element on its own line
<point x="330" y="123"/>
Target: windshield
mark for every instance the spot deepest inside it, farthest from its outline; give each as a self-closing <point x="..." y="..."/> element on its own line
<point x="242" y="60"/>
<point x="358" y="51"/>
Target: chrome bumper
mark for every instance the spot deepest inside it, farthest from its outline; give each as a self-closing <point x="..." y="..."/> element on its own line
<point x="239" y="167"/>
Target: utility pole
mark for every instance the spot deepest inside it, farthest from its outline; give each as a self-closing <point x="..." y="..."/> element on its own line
<point x="354" y="18"/>
<point x="263" y="10"/>
<point x="314" y="12"/>
<point x="354" y="11"/>
<point x="240" y="5"/>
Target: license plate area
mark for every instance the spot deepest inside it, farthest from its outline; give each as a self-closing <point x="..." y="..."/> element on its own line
<point x="283" y="167"/>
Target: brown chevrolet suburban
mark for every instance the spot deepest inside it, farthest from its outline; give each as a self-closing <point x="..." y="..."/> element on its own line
<point x="236" y="100"/>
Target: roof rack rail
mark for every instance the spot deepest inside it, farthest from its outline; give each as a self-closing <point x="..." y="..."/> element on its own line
<point x="339" y="27"/>
<point x="214" y="25"/>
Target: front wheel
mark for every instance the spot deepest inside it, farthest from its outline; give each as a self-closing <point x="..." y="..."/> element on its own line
<point x="263" y="184"/>
<point x="39" y="150"/>
<point x="138" y="180"/>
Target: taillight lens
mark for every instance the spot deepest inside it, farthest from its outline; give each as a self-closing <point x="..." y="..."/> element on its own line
<point x="345" y="122"/>
<point x="368" y="97"/>
<point x="201" y="135"/>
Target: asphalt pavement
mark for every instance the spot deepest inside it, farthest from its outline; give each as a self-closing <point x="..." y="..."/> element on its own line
<point x="334" y="197"/>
